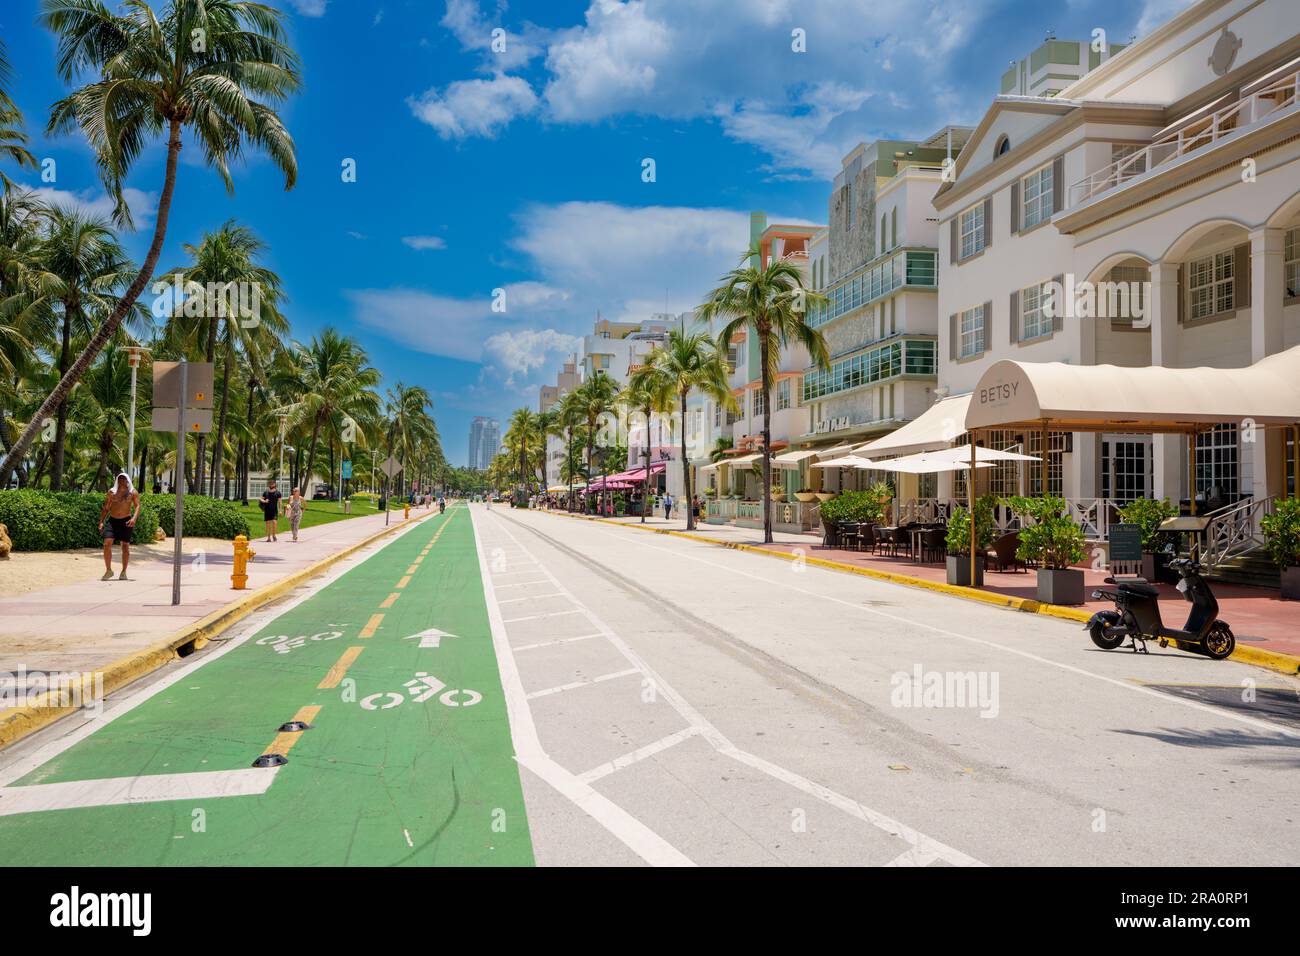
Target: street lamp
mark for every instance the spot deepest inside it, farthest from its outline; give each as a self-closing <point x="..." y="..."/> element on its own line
<point x="284" y="420"/>
<point x="133" y="355"/>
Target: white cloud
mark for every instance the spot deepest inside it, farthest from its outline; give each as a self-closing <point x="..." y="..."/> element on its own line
<point x="474" y="107"/>
<point x="1156" y="12"/>
<point x="520" y="352"/>
<point x="422" y="243"/>
<point x="467" y="22"/>
<point x="143" y="205"/>
<point x="310" y="8"/>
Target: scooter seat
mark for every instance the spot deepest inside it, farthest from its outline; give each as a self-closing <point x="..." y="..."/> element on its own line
<point x="1138" y="586"/>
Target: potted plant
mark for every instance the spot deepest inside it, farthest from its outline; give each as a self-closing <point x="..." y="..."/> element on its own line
<point x="805" y="495"/>
<point x="958" y="542"/>
<point x="854" y="507"/>
<point x="1282" y="530"/>
<point x="1147" y="514"/>
<point x="1055" y="542"/>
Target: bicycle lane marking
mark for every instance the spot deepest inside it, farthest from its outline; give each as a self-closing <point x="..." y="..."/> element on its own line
<point x="417" y="782"/>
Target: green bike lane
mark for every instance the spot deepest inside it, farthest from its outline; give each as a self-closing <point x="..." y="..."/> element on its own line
<point x="408" y="760"/>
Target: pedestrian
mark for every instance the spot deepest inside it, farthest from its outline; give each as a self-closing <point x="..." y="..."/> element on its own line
<point x="293" y="511"/>
<point x="121" y="507"/>
<point x="668" y="506"/>
<point x="270" y="502"/>
<point x="442" y="504"/>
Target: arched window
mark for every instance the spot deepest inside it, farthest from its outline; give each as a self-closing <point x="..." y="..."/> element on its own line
<point x="1003" y="146"/>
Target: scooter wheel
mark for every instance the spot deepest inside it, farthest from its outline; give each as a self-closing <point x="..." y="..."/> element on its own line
<point x="1098" y="634"/>
<point x="1219" y="642"/>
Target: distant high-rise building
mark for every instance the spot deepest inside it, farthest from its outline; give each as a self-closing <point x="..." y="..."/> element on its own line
<point x="484" y="441"/>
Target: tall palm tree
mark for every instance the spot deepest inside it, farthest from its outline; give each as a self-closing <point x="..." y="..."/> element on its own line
<point x="409" y="423"/>
<point x="572" y="417"/>
<point x="108" y="390"/>
<point x="689" y="361"/>
<point x="771" y="302"/>
<point x="80" y="272"/>
<point x="225" y="262"/>
<point x="334" y="378"/>
<point x="149" y="75"/>
<point x="13" y="138"/>
<point x="521" y="436"/>
<point x="649" y="390"/>
<point x="597" y="396"/>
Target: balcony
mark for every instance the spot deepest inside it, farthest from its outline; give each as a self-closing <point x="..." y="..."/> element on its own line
<point x="1274" y="98"/>
<point x="911" y="268"/>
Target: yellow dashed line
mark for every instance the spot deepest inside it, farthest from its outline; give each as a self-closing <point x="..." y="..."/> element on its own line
<point x="340" y="667"/>
<point x="404" y="582"/>
<point x="372" y="625"/>
<point x="390" y="600"/>
<point x="412" y="569"/>
<point x="283" y="743"/>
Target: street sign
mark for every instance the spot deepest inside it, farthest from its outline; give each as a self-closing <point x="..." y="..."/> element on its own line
<point x="198" y="421"/>
<point x="391" y="467"/>
<point x="167" y="384"/>
<point x="1125" y="542"/>
<point x="347" y="470"/>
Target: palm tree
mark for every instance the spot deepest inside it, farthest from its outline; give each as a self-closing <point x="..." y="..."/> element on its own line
<point x="224" y="262"/>
<point x="689" y="361"/>
<point x="520" y="437"/>
<point x="649" y="390"/>
<point x="334" y="377"/>
<point x="771" y="302"/>
<point x="80" y="271"/>
<point x="572" y="418"/>
<point x="151" y="74"/>
<point x="108" y="388"/>
<point x="597" y="397"/>
<point x="13" y="138"/>
<point x="409" y="423"/>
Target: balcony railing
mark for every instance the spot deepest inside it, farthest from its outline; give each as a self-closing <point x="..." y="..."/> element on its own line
<point x="915" y="268"/>
<point x="1201" y="133"/>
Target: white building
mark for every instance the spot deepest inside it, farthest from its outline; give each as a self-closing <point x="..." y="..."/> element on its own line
<point x="1175" y="162"/>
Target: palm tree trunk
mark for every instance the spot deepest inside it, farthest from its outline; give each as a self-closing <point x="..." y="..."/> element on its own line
<point x="686" y="472"/>
<point x="764" y="344"/>
<point x="200" y="458"/>
<point x="61" y="416"/>
<point x="311" y="447"/>
<point x="645" y="487"/>
<point x="219" y="446"/>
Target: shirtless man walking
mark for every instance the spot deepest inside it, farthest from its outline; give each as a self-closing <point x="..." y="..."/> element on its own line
<point x="121" y="507"/>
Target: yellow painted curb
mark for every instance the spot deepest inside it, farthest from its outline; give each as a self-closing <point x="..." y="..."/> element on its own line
<point x="22" y="721"/>
<point x="1273" y="660"/>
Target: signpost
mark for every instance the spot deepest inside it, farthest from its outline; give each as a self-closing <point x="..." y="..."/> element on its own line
<point x="182" y="401"/>
<point x="391" y="467"/>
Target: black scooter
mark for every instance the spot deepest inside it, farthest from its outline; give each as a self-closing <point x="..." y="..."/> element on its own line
<point x="1137" y="616"/>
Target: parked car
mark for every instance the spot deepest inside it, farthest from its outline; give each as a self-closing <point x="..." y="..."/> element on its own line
<point x="323" y="492"/>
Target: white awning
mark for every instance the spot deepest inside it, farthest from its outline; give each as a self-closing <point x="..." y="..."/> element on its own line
<point x="925" y="465"/>
<point x="793" y="459"/>
<point x="937" y="427"/>
<point x="742" y="460"/>
<point x="1150" y="398"/>
<point x="848" y="461"/>
<point x="961" y="455"/>
<point x="712" y="467"/>
<point x="824" y="453"/>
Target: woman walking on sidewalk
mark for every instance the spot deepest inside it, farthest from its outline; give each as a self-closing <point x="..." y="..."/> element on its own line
<point x="294" y="510"/>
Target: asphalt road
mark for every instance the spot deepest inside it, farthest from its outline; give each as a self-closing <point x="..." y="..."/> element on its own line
<point x="498" y="687"/>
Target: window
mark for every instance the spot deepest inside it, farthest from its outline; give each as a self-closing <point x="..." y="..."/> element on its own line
<point x="759" y="401"/>
<point x="971" y="328"/>
<point x="1291" y="256"/>
<point x="783" y="392"/>
<point x="884" y="243"/>
<point x="869" y="367"/>
<point x="1056" y="445"/>
<point x="971" y="231"/>
<point x="717" y="414"/>
<point x="1033" y="322"/>
<point x="1126" y="468"/>
<point x="1003" y="147"/>
<point x="1210" y="285"/>
<point x="1036" y="197"/>
<point x="1216" y="462"/>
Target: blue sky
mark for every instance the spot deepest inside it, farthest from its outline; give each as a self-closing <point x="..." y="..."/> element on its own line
<point x="520" y="169"/>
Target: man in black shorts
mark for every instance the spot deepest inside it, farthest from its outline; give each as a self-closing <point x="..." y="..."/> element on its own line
<point x="121" y="508"/>
<point x="270" y="502"/>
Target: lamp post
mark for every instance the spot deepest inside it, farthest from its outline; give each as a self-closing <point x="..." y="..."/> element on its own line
<point x="133" y="355"/>
<point x="284" y="420"/>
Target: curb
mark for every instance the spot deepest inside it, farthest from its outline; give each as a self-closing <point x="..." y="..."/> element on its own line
<point x="1272" y="660"/>
<point x="23" y="721"/>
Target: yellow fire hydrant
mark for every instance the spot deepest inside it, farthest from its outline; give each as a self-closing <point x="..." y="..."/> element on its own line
<point x="406" y="511"/>
<point x="243" y="554"/>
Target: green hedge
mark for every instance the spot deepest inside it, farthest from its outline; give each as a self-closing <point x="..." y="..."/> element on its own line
<point x="204" y="517"/>
<point x="59" y="520"/>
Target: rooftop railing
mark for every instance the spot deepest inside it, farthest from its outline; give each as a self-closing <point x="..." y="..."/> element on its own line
<point x="1201" y="133"/>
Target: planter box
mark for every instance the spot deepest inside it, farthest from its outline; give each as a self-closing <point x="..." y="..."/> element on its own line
<point x="959" y="570"/>
<point x="805" y="496"/>
<point x="1291" y="584"/>
<point x="1064" y="586"/>
<point x="826" y="495"/>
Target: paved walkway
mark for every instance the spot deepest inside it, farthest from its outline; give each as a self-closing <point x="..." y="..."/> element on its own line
<point x="85" y="626"/>
<point x="1259" y="618"/>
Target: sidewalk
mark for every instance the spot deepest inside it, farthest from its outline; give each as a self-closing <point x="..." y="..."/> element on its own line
<point x="86" y="626"/>
<point x="1259" y="618"/>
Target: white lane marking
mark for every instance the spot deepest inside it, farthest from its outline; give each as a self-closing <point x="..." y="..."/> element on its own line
<point x="574" y="685"/>
<point x="538" y="617"/>
<point x="521" y="584"/>
<point x="130" y="699"/>
<point x="531" y="597"/>
<point x="649" y="750"/>
<point x="407" y="834"/>
<point x="562" y="640"/>
<point x="115" y="791"/>
<point x="507" y="574"/>
<point x="1028" y="655"/>
<point x="723" y="745"/>
<point x="631" y="832"/>
<point x="913" y="857"/>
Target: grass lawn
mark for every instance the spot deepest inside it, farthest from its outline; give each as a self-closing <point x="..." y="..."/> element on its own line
<point x="314" y="513"/>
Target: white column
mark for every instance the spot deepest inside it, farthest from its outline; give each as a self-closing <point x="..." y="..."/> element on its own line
<point x="1267" y="275"/>
<point x="1167" y="450"/>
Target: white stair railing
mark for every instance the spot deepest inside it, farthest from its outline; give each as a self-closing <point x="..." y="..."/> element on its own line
<point x="1235" y="530"/>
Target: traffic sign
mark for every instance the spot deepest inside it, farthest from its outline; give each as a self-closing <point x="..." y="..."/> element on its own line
<point x="392" y="467"/>
<point x="167" y="385"/>
<point x="198" y="421"/>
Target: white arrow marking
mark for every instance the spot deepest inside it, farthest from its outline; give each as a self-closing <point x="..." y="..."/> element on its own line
<point x="431" y="637"/>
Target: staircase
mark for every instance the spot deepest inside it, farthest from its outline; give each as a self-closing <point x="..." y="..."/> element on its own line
<point x="1253" y="567"/>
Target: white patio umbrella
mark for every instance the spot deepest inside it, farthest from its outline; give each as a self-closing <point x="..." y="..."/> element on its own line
<point x="925" y="465"/>
<point x="848" y="461"/>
